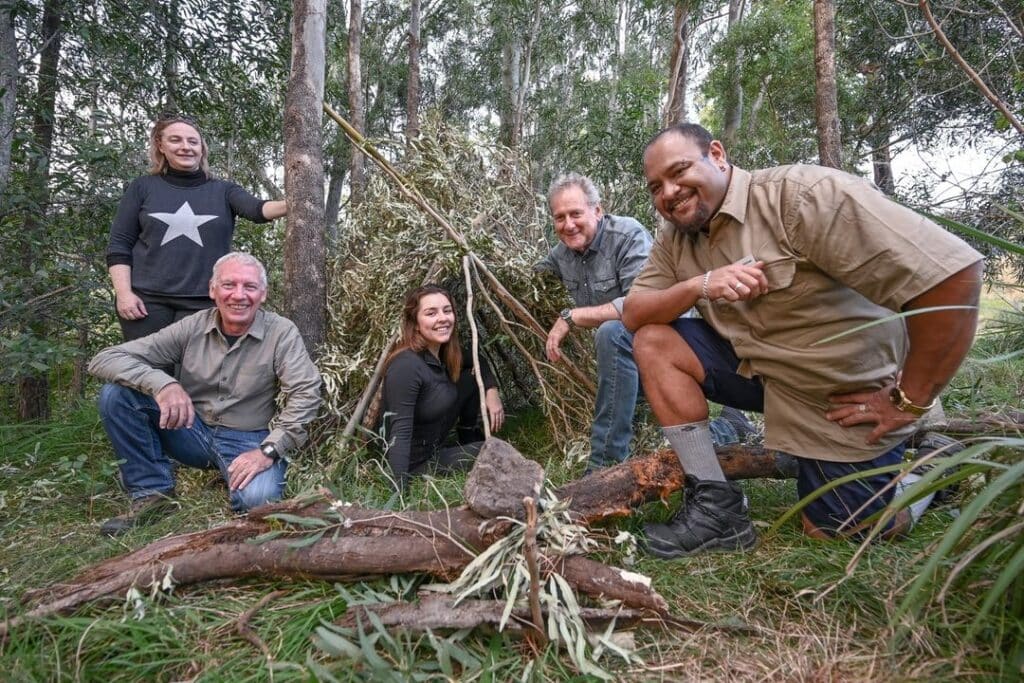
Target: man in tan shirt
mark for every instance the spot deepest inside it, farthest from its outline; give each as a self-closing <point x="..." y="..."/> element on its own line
<point x="221" y="412"/>
<point x="779" y="262"/>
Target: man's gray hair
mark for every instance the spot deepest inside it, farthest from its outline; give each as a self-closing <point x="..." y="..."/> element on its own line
<point x="244" y="259"/>
<point x="586" y="185"/>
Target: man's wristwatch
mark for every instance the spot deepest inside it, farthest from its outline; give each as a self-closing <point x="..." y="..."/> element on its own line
<point x="902" y="403"/>
<point x="566" y="315"/>
<point x="269" y="451"/>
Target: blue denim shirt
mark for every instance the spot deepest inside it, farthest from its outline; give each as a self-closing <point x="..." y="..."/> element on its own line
<point x="606" y="270"/>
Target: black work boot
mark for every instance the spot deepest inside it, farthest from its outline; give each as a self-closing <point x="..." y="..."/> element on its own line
<point x="713" y="517"/>
<point x="143" y="511"/>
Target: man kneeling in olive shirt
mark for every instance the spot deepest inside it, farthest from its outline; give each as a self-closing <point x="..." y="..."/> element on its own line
<point x="235" y="359"/>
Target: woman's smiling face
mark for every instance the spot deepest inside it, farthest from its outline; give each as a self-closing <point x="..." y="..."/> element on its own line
<point x="435" y="320"/>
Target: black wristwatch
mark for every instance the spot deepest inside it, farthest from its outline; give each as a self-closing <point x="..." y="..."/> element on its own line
<point x="566" y="315"/>
<point x="269" y="451"/>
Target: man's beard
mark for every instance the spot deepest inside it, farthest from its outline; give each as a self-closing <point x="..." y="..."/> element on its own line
<point x="700" y="220"/>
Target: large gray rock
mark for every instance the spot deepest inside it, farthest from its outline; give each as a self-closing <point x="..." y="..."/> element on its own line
<point x="500" y="479"/>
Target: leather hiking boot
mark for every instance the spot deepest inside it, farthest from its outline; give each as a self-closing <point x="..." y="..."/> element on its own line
<point x="143" y="511"/>
<point x="713" y="517"/>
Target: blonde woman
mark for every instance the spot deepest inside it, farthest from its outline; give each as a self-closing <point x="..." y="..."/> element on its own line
<point x="170" y="228"/>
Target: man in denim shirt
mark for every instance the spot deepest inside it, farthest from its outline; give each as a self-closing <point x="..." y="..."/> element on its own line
<point x="597" y="260"/>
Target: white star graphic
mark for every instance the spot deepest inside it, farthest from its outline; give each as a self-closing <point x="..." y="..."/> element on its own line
<point x="182" y="223"/>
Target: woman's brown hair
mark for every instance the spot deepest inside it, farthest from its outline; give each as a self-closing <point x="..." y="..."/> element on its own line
<point x="450" y="352"/>
<point x="157" y="161"/>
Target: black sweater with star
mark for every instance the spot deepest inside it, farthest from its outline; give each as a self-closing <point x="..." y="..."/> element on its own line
<point x="171" y="228"/>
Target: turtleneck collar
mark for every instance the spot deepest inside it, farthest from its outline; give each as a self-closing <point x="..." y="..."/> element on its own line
<point x="184" y="178"/>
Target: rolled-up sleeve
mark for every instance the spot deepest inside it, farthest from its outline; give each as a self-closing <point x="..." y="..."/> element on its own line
<point x="659" y="272"/>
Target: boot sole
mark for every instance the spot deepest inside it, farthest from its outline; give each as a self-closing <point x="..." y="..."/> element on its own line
<point x="741" y="542"/>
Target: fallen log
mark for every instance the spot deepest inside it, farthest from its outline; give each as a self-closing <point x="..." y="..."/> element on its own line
<point x="374" y="542"/>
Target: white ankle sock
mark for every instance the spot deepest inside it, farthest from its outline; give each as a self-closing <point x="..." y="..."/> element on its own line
<point x="695" y="450"/>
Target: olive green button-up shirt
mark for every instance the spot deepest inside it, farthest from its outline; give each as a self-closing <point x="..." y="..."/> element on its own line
<point x="838" y="254"/>
<point x="235" y="387"/>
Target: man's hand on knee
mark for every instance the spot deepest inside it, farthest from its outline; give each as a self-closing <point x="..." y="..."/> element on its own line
<point x="245" y="467"/>
<point x="176" y="408"/>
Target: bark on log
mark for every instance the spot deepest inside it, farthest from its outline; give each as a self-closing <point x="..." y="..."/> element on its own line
<point x="438" y="613"/>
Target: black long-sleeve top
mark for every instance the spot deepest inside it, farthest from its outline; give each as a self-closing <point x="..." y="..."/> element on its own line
<point x="421" y="406"/>
<point x="172" y="228"/>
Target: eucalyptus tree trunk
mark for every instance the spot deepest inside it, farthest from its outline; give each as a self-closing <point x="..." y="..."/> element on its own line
<point x="356" y="101"/>
<point x="734" y="95"/>
<point x="517" y="57"/>
<point x="678" y="65"/>
<point x="172" y="30"/>
<point x="34" y="388"/>
<point x="304" y="257"/>
<point x="881" y="161"/>
<point x="511" y="58"/>
<point x="412" y="97"/>
<point x="337" y="168"/>
<point x="825" y="100"/>
<point x="8" y="93"/>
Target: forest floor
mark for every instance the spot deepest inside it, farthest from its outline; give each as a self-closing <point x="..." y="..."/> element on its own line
<point x="789" y="610"/>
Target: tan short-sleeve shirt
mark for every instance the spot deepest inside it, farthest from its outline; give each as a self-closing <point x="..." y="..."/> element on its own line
<point x="838" y="254"/>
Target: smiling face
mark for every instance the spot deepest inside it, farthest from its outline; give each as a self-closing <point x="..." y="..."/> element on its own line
<point x="182" y="146"/>
<point x="687" y="187"/>
<point x="435" y="320"/>
<point x="238" y="293"/>
<point x="575" y="219"/>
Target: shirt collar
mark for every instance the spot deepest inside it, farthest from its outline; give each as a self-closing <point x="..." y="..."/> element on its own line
<point x="734" y="205"/>
<point x="595" y="244"/>
<point x="257" y="330"/>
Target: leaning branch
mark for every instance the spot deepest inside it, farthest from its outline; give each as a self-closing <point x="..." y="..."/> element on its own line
<point x="996" y="101"/>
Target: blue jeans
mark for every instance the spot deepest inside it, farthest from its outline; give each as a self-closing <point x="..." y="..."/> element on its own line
<point x="132" y="421"/>
<point x="618" y="389"/>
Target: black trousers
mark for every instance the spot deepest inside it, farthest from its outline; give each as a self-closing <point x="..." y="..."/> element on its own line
<point x="161" y="312"/>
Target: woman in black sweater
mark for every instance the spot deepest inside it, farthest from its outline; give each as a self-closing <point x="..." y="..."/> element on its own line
<point x="429" y="386"/>
<point x="170" y="228"/>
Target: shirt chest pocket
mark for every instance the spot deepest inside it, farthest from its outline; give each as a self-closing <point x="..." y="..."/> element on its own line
<point x="253" y="379"/>
<point x="783" y="285"/>
<point x="607" y="285"/>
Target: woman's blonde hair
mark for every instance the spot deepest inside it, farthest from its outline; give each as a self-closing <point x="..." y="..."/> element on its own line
<point x="450" y="352"/>
<point x="157" y="161"/>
